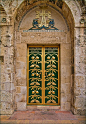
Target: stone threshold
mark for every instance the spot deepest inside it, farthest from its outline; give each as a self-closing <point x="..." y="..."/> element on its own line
<point x="38" y="107"/>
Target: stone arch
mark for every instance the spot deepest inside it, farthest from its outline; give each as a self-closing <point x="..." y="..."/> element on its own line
<point x="2" y="10"/>
<point x="72" y="6"/>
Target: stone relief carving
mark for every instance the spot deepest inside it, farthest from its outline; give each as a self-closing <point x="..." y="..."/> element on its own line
<point x="28" y="3"/>
<point x="6" y="2"/>
<point x="59" y="3"/>
<point x="83" y="8"/>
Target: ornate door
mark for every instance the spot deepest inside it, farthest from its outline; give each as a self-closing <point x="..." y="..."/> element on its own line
<point x="43" y="75"/>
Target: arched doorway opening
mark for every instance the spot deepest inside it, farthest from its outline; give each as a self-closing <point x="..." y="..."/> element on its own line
<point x="60" y="33"/>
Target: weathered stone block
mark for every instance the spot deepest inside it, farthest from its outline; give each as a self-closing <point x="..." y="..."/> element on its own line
<point x="7" y="112"/>
<point x="65" y="70"/>
<point x="8" y="86"/>
<point x="21" y="59"/>
<point x="65" y="50"/>
<point x="80" y="69"/>
<point x="80" y="81"/>
<point x="23" y="73"/>
<point x="23" y="90"/>
<point x="21" y="82"/>
<point x="67" y="106"/>
<point x="79" y="102"/>
<point x="21" y="106"/>
<point x="79" y="111"/>
<point x="18" y="73"/>
<point x="18" y="89"/>
<point x="20" y="48"/>
<point x="18" y="97"/>
<point x="23" y="98"/>
<point x="62" y="106"/>
<point x="6" y="96"/>
<point x="20" y="65"/>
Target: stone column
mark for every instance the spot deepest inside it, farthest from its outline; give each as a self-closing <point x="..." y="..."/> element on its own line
<point x="79" y="63"/>
<point x="7" y="69"/>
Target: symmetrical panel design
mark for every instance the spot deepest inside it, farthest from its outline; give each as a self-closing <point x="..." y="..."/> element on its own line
<point x="43" y="76"/>
<point x="35" y="75"/>
<point x="51" y="75"/>
<point x="43" y="21"/>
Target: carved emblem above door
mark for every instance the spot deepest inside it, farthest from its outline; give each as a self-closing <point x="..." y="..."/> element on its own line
<point x="43" y="20"/>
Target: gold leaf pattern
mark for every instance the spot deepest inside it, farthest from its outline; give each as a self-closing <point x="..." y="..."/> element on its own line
<point x="37" y="66"/>
<point x="37" y="83"/>
<point x="53" y="101"/>
<point x="49" y="83"/>
<point x="32" y="83"/>
<point x="53" y="66"/>
<point x="53" y="83"/>
<point x="48" y="66"/>
<point x="32" y="66"/>
<point x="32" y="101"/>
<point x="48" y="101"/>
<point x="37" y="101"/>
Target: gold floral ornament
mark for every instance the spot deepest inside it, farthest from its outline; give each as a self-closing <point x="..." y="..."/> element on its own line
<point x="37" y="74"/>
<point x="33" y="57"/>
<point x="49" y="101"/>
<point x="32" y="83"/>
<point x="37" y="101"/>
<point x="32" y="66"/>
<point x="37" y="66"/>
<point x="53" y="74"/>
<point x="49" y="83"/>
<point x="33" y="92"/>
<point x="48" y="57"/>
<point x="37" y="57"/>
<point x="53" y="66"/>
<point x="49" y="74"/>
<point x="53" y="57"/>
<point x="53" y="92"/>
<point x="53" y="83"/>
<point x="48" y="66"/>
<point x="37" y="83"/>
<point x="33" y="74"/>
<point x="37" y="91"/>
<point x="49" y="92"/>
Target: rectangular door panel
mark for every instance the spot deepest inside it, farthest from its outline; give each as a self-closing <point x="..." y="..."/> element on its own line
<point x="43" y="75"/>
<point x="51" y="75"/>
<point x="35" y="75"/>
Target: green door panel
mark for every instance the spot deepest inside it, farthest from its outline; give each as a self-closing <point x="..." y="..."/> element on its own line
<point x="35" y="75"/>
<point x="43" y="76"/>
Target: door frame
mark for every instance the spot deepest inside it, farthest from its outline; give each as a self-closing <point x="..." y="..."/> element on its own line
<point x="43" y="66"/>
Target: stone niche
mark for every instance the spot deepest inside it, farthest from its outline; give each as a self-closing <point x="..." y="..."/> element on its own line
<point x="59" y="37"/>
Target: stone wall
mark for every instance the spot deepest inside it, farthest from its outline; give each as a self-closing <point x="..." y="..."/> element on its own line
<point x="13" y="52"/>
<point x="7" y="70"/>
<point x="79" y="84"/>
